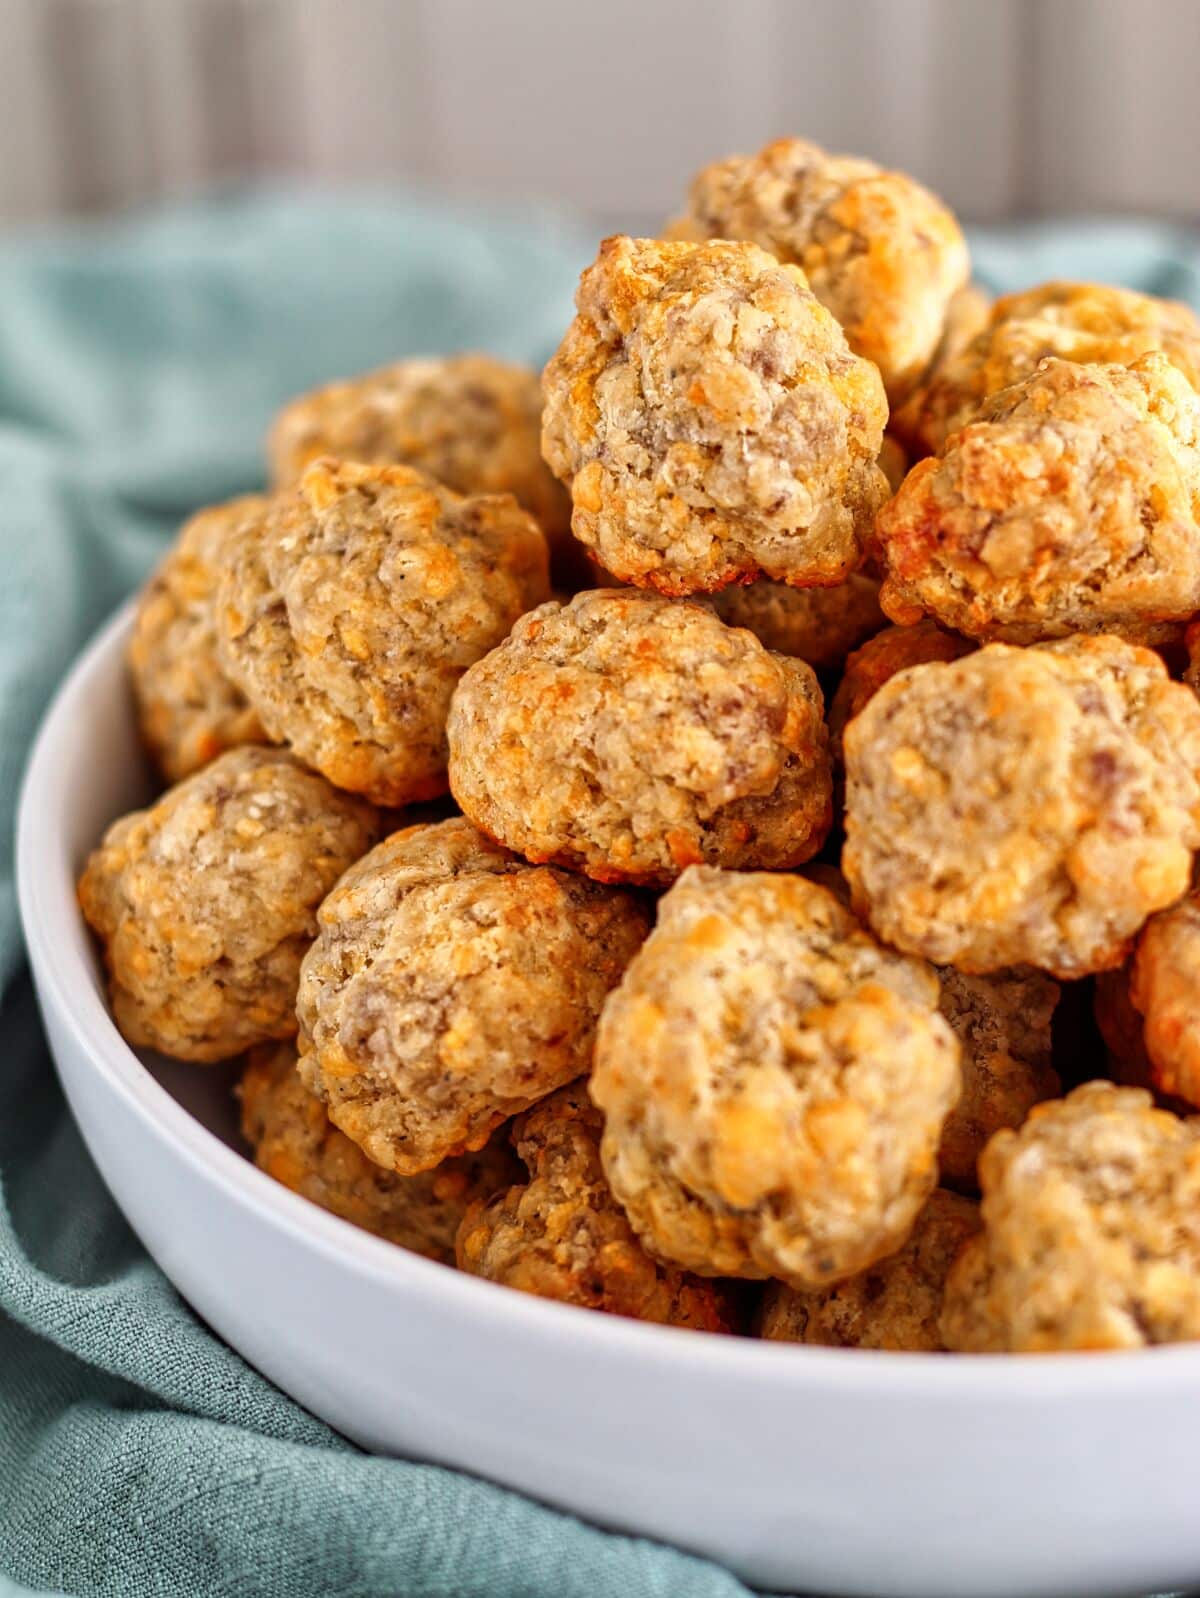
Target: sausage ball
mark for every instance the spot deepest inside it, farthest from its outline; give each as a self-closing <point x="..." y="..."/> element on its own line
<point x="876" y="662"/>
<point x="1002" y="1023"/>
<point x="818" y="625"/>
<point x="881" y="252"/>
<point x="1091" y="1233"/>
<point x="893" y="1304"/>
<point x="1069" y="504"/>
<point x="295" y="1142"/>
<point x="710" y="421"/>
<point x="1023" y="806"/>
<point x="206" y="903"/>
<point x="561" y="1234"/>
<point x="774" y="1083"/>
<point x="349" y="622"/>
<point x="471" y="421"/>
<point x="452" y="985"/>
<point x="1087" y="323"/>
<point x="1148" y="1012"/>
<point x="629" y="736"/>
<point x="188" y="709"/>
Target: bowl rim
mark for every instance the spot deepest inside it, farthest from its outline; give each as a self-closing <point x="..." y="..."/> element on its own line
<point x="50" y="918"/>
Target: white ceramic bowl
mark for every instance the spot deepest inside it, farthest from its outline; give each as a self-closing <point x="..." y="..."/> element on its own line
<point x="825" y="1470"/>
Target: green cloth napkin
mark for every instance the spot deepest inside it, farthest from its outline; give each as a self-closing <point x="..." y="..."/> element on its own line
<point x="139" y="364"/>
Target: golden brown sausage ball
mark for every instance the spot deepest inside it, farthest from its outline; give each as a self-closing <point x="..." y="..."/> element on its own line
<point x="452" y="985"/>
<point x="881" y="252"/>
<point x="774" y="1083"/>
<point x="206" y="903"/>
<point x="710" y="421"/>
<point x="1069" y="504"/>
<point x="1023" y="806"/>
<point x="348" y="624"/>
<point x="629" y="736"/>
<point x="1091" y="1231"/>
<point x="188" y="709"/>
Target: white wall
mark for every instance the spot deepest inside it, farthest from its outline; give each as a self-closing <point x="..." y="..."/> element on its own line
<point x="1005" y="106"/>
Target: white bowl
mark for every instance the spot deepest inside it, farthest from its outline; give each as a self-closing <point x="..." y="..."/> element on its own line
<point x="827" y="1470"/>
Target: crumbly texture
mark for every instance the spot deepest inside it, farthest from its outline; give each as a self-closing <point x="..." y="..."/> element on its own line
<point x="881" y="252"/>
<point x="349" y="622"/>
<point x="452" y="985"/>
<point x="295" y="1142"/>
<point x="471" y="421"/>
<point x="206" y="903"/>
<point x="1091" y="1231"/>
<point x="560" y="1234"/>
<point x="894" y="1304"/>
<point x="774" y="1083"/>
<point x="710" y="421"/>
<point x="1002" y="1023"/>
<point x="1163" y="986"/>
<point x="1069" y="504"/>
<point x="1023" y="806"/>
<point x="188" y="709"/>
<point x="876" y="662"/>
<point x="819" y="625"/>
<point x="1082" y="322"/>
<point x="629" y="736"/>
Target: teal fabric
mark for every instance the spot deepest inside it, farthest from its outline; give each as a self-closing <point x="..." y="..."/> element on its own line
<point x="139" y="364"/>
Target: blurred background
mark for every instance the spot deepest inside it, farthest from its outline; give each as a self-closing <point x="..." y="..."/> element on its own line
<point x="1009" y="108"/>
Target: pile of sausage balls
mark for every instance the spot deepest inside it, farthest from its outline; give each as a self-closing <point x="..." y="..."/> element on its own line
<point x="796" y="936"/>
